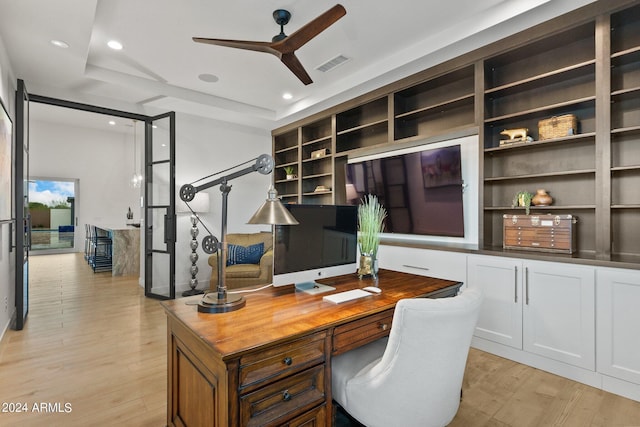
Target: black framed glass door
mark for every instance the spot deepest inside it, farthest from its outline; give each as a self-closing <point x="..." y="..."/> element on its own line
<point x="21" y="194"/>
<point x="159" y="207"/>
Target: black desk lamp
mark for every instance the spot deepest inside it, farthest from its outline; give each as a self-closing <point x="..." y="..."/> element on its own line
<point x="271" y="212"/>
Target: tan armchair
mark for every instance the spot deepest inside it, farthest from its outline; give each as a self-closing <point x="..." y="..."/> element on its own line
<point x="241" y="275"/>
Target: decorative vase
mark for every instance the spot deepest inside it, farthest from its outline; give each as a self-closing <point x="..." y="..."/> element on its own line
<point x="367" y="266"/>
<point x="291" y="176"/>
<point x="541" y="198"/>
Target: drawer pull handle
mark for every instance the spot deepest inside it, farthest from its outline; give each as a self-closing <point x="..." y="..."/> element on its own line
<point x="416" y="267"/>
<point x="383" y="326"/>
<point x="286" y="396"/>
<point x="287" y="361"/>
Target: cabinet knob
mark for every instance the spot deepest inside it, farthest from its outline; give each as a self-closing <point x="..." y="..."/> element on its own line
<point x="383" y="326"/>
<point x="286" y="396"/>
<point x="287" y="361"/>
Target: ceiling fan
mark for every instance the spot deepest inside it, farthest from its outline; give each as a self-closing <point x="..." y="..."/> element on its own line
<point x="284" y="46"/>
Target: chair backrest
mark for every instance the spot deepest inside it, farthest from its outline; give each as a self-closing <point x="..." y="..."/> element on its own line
<point x="419" y="376"/>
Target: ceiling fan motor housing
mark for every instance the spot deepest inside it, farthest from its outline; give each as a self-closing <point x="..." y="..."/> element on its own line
<point x="281" y="17"/>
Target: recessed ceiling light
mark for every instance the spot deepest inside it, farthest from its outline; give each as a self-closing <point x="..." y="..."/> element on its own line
<point x="287" y="95"/>
<point x="112" y="123"/>
<point x="209" y="78"/>
<point x="115" y="45"/>
<point x="60" y="43"/>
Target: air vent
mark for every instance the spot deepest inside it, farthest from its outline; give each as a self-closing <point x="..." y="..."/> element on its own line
<point x="332" y="63"/>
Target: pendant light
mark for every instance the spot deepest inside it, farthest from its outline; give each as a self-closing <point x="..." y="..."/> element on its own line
<point x="136" y="179"/>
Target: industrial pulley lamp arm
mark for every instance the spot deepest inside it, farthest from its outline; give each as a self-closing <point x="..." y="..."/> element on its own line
<point x="271" y="212"/>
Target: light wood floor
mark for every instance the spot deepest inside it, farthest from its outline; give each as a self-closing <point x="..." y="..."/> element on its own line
<point x="90" y="340"/>
<point x="96" y="343"/>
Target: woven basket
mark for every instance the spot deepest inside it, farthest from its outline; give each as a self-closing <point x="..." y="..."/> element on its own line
<point x="557" y="127"/>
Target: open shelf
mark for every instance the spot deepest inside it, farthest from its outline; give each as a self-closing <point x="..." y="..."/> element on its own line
<point x="537" y="208"/>
<point x="541" y="144"/>
<point x="542" y="175"/>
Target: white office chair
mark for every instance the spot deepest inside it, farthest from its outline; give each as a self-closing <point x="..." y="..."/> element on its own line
<point x="413" y="377"/>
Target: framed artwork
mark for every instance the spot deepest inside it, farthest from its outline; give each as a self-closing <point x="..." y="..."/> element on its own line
<point x="441" y="167"/>
<point x="6" y="144"/>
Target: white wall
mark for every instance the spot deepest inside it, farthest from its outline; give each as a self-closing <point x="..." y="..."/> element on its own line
<point x="7" y="257"/>
<point x="102" y="161"/>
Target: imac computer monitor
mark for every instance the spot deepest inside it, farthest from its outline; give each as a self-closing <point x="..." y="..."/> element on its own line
<point x="323" y="244"/>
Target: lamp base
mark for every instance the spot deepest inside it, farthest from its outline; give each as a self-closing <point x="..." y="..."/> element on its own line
<point x="211" y="304"/>
<point x="192" y="292"/>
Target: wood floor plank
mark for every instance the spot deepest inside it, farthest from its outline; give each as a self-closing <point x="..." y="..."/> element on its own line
<point x="94" y="341"/>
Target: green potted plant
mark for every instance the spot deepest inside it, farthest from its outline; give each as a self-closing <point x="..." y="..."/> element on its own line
<point x="523" y="199"/>
<point x="290" y="172"/>
<point x="371" y="216"/>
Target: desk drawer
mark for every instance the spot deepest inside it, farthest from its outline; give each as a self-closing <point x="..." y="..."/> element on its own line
<point x="274" y="404"/>
<point x="279" y="361"/>
<point x="360" y="332"/>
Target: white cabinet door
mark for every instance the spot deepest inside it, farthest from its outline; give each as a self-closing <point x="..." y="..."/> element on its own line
<point x="424" y="262"/>
<point x="559" y="312"/>
<point x="500" y="318"/>
<point x="618" y="322"/>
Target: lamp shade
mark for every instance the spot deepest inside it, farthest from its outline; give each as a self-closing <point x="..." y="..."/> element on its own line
<point x="199" y="204"/>
<point x="272" y="212"/>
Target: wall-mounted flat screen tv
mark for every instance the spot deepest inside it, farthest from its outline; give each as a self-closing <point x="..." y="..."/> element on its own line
<point x="422" y="191"/>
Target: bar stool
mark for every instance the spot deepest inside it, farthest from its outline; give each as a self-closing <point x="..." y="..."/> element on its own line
<point x="101" y="249"/>
<point x="87" y="242"/>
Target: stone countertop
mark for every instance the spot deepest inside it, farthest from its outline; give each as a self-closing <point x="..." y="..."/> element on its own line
<point x="115" y="227"/>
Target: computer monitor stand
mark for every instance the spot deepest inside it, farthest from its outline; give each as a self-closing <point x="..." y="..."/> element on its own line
<point x="313" y="288"/>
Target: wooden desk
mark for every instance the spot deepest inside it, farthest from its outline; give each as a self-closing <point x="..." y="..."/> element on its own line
<point x="269" y="363"/>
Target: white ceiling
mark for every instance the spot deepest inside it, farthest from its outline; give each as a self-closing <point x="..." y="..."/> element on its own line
<point x="159" y="66"/>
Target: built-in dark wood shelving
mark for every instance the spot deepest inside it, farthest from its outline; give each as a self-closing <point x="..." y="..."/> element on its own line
<point x="540" y="144"/>
<point x="437" y="106"/>
<point x="544" y="79"/>
<point x="282" y="165"/>
<point x="536" y="208"/>
<point x="549" y="109"/>
<point x="541" y="175"/>
<point x="551" y="70"/>
<point x="316" y="175"/>
<point x="630" y="51"/>
<point x="316" y="141"/>
<point x="630" y="129"/>
<point x="631" y="91"/>
<point x="362" y="127"/>
<point x="284" y="150"/>
<point x="625" y="168"/>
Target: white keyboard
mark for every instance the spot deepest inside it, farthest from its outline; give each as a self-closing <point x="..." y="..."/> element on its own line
<point x="346" y="296"/>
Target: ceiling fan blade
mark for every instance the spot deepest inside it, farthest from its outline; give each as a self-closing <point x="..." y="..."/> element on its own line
<point x="292" y="62"/>
<point x="240" y="44"/>
<point x="310" y="30"/>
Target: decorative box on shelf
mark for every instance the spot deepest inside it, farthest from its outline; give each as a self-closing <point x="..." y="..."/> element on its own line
<point x="557" y="127"/>
<point x="546" y="233"/>
<point x="319" y="153"/>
